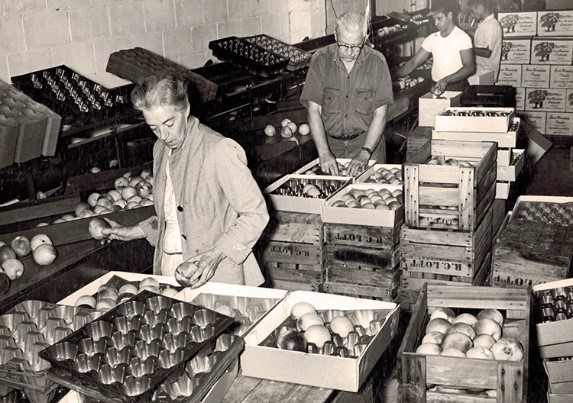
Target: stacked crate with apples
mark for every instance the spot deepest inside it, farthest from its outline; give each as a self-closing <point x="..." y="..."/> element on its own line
<point x="362" y="233"/>
<point x="449" y="190"/>
<point x="470" y="346"/>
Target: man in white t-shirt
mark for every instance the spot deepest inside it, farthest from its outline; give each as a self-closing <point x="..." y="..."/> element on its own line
<point x="487" y="38"/>
<point x="450" y="47"/>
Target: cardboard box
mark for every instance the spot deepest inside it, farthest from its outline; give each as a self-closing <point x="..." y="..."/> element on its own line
<point x="429" y="106"/>
<point x="557" y="5"/>
<point x="360" y="216"/>
<point x="330" y="372"/>
<point x="510" y="74"/>
<point x="447" y="122"/>
<point x="481" y="79"/>
<point x="551" y="51"/>
<point x="569" y="100"/>
<point x="518" y="23"/>
<point x="561" y="77"/>
<point x="545" y="99"/>
<point x="536" y="120"/>
<point x="516" y="51"/>
<point x="511" y="172"/>
<point x="535" y="76"/>
<point x="559" y="124"/>
<point x="502" y="190"/>
<point x="507" y="139"/>
<point x="520" y="98"/>
<point x="537" y="145"/>
<point x="503" y="156"/>
<point x="555" y="23"/>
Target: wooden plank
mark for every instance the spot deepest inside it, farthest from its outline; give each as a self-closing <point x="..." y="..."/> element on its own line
<point x="294" y="227"/>
<point x="466" y="198"/>
<point x="478" y="297"/>
<point x="302" y="276"/>
<point x="382" y="278"/>
<point x="462" y="372"/>
<point x="292" y="252"/>
<point x="440" y="237"/>
<point x="296" y="285"/>
<point x="457" y="398"/>
<point x="362" y="258"/>
<point x="357" y="235"/>
<point x="511" y="381"/>
<point x="294" y="266"/>
<point x="411" y="194"/>
<point x="27" y="211"/>
<point x="360" y="290"/>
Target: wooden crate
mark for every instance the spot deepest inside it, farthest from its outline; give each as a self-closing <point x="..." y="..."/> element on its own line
<point x="362" y="236"/>
<point x="418" y="372"/>
<point x="293" y="227"/>
<point x="450" y="196"/>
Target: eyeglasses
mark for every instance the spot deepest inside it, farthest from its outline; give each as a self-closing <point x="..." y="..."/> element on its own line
<point x="345" y="48"/>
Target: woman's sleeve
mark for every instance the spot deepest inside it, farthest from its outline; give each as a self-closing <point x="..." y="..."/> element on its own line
<point x="151" y="228"/>
<point x="245" y="198"/>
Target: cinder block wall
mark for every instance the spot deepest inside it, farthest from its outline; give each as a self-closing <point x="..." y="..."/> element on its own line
<point x="39" y="34"/>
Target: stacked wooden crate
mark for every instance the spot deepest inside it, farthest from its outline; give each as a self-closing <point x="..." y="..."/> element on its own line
<point x="446" y="238"/>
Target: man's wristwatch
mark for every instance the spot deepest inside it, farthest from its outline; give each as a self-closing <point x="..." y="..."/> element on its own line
<point x="369" y="151"/>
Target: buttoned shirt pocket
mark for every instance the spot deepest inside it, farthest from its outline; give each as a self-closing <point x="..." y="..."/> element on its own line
<point x="332" y="100"/>
<point x="364" y="100"/>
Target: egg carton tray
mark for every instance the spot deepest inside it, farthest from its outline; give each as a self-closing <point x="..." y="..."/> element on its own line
<point x="198" y="377"/>
<point x="297" y="59"/>
<point x="28" y="328"/>
<point x="250" y="56"/>
<point x="553" y="211"/>
<point x="131" y="349"/>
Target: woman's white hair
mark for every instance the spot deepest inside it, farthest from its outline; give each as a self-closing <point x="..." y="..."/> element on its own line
<point x="351" y="23"/>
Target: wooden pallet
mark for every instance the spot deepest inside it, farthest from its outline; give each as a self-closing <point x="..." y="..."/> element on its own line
<point x="418" y="373"/>
<point x="362" y="236"/>
<point x="448" y="196"/>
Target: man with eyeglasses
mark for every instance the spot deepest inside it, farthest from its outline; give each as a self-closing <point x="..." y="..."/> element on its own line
<point x="347" y="92"/>
<point x="450" y="47"/>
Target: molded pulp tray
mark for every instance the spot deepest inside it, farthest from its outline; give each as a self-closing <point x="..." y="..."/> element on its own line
<point x="131" y="349"/>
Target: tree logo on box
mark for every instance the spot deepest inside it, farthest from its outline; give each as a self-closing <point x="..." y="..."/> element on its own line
<point x="549" y="21"/>
<point x="505" y="48"/>
<point x="509" y="22"/>
<point x="543" y="50"/>
<point x="537" y="97"/>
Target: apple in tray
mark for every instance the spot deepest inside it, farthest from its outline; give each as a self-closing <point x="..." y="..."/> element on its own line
<point x="383" y="199"/>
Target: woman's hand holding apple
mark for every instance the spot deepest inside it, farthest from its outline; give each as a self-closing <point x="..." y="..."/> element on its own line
<point x="199" y="269"/>
<point x="121" y="233"/>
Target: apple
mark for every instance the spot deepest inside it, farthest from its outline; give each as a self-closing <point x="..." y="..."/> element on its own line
<point x="135" y="199"/>
<point x="107" y="291"/>
<point x="105" y="304"/>
<point x="292" y="126"/>
<point x="480" y="352"/>
<point x="45" y="254"/>
<point x="100" y="210"/>
<point x="86" y="301"/>
<point x="508" y="349"/>
<point x="121" y="203"/>
<point x="484" y="340"/>
<point x="120" y="183"/>
<point x="113" y="163"/>
<point x="68" y="217"/>
<point x="488" y="326"/>
<point x="304" y="129"/>
<point x="41" y="195"/>
<point x="270" y="130"/>
<point x="148" y="281"/>
<point x="143" y="189"/>
<point x="462" y="328"/>
<point x="341" y="325"/>
<point x="92" y="198"/>
<point x="81" y="207"/>
<point x="145" y="173"/>
<point x="21" y="246"/>
<point x="307" y="320"/>
<point x="95" y="227"/>
<point x="434" y="337"/>
<point x="128" y="288"/>
<point x="300" y="308"/>
<point x="286" y="132"/>
<point x="491" y="314"/>
<point x="146" y="202"/>
<point x="128" y="191"/>
<point x="317" y="334"/>
<point x="445" y="313"/>
<point x="429" y="349"/>
<point x="13" y="268"/>
<point x="42" y="224"/>
<point x="127" y="175"/>
<point x="132" y="204"/>
<point x="285" y="122"/>
<point x="6" y="252"/>
<point x="438" y="325"/>
<point x="290" y="339"/>
<point x="114" y="195"/>
<point x="86" y="213"/>
<point x="104" y="202"/>
<point x="39" y="239"/>
<point x="459" y="341"/>
<point x="465" y="318"/>
<point x="453" y="352"/>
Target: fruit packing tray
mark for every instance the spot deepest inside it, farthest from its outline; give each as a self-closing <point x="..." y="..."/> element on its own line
<point x="550" y="210"/>
<point x="131" y="349"/>
<point x="250" y="56"/>
<point x="297" y="59"/>
<point x="28" y="328"/>
<point x="198" y="377"/>
<point x="81" y="102"/>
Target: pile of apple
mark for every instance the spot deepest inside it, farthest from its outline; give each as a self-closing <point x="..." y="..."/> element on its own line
<point x="466" y="335"/>
<point x="382" y="199"/>
<point x="408" y="82"/>
<point x="441" y="160"/>
<point x="129" y="192"/>
<point x="108" y="296"/>
<point x="389" y="30"/>
<point x="383" y="175"/>
<point x="342" y="169"/>
<point x="288" y="129"/>
<point x="40" y="247"/>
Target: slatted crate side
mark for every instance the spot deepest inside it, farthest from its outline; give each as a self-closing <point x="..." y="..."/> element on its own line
<point x="417" y="372"/>
<point x="291" y="252"/>
<point x="360" y="291"/>
<point x="363" y="236"/>
<point x="359" y="258"/>
<point x="379" y="278"/>
<point x="294" y="227"/>
<point x="296" y="285"/>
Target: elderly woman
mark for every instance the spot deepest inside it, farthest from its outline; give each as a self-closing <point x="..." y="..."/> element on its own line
<point x="210" y="211"/>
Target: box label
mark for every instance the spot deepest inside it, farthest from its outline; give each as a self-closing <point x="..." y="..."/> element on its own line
<point x="520" y="99"/>
<point x="551" y="51"/>
<point x="515" y="51"/>
<point x="569" y="101"/>
<point x="510" y="74"/>
<point x="561" y="77"/>
<point x="559" y="124"/>
<point x="535" y="76"/>
<point x="555" y="23"/>
<point x="545" y="99"/>
<point x="536" y="120"/>
<point x="518" y="24"/>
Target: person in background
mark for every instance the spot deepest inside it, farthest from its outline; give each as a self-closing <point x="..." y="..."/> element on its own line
<point x="487" y="37"/>
<point x="347" y="92"/>
<point x="210" y="211"/>
<point x="450" y="48"/>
